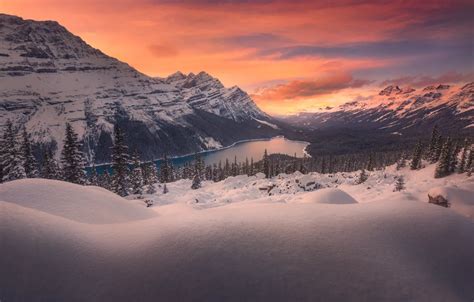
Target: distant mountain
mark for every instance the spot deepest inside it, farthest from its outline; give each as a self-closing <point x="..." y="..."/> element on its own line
<point x="400" y="111"/>
<point x="49" y="77"/>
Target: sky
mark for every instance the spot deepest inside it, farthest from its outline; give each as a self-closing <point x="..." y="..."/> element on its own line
<point x="290" y="56"/>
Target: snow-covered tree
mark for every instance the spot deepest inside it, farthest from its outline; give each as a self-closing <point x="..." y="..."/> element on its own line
<point x="417" y="154"/>
<point x="93" y="176"/>
<point x="266" y="165"/>
<point x="433" y="153"/>
<point x="29" y="164"/>
<point x="165" y="170"/>
<point x="72" y="159"/>
<point x="402" y="162"/>
<point x="196" y="182"/>
<point x="443" y="166"/>
<point x="362" y="177"/>
<point x="120" y="161"/>
<point x="12" y="160"/>
<point x="198" y="165"/>
<point x="136" y="177"/>
<point x="50" y="168"/>
<point x="399" y="184"/>
<point x="464" y="156"/>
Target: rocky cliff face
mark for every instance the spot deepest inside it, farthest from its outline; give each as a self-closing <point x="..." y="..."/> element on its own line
<point x="49" y="77"/>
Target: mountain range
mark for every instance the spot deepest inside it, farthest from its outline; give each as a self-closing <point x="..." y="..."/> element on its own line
<point x="50" y="76"/>
<point x="399" y="111"/>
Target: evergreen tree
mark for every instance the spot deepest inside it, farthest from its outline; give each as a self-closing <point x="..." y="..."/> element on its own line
<point x="165" y="170"/>
<point x="198" y="165"/>
<point x="453" y="158"/>
<point x="94" y="177"/>
<point x="370" y="163"/>
<point x="165" y="189"/>
<point x="464" y="157"/>
<point x="443" y="166"/>
<point x="399" y="184"/>
<point x="72" y="159"/>
<point x="402" y="162"/>
<point x="235" y="167"/>
<point x="120" y="161"/>
<point x="50" y="167"/>
<point x="251" y="169"/>
<point x="362" y="177"/>
<point x="437" y="151"/>
<point x="30" y="164"/>
<point x="136" y="177"/>
<point x="266" y="165"/>
<point x="196" y="182"/>
<point x="12" y="160"/>
<point x="417" y="154"/>
<point x="469" y="164"/>
<point x="105" y="180"/>
<point x="435" y="136"/>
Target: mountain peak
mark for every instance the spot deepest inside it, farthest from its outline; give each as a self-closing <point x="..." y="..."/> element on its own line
<point x="390" y="89"/>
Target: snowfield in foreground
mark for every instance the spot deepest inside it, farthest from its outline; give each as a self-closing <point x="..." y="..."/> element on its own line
<point x="243" y="239"/>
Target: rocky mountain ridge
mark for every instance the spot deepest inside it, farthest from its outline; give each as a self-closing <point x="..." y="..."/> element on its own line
<point x="49" y="77"/>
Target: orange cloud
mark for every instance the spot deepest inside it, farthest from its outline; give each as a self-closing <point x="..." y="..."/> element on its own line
<point x="251" y="43"/>
<point x="160" y="50"/>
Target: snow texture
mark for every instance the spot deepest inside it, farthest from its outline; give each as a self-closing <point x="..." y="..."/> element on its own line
<point x="64" y="242"/>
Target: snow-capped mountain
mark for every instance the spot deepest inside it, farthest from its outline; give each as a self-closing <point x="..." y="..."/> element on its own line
<point x="401" y="110"/>
<point x="49" y="76"/>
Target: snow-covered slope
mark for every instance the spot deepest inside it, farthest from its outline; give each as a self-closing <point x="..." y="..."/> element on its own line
<point x="401" y="110"/>
<point x="88" y="204"/>
<point x="49" y="76"/>
<point x="392" y="250"/>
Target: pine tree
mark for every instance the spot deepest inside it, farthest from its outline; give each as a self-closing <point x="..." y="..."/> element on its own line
<point x="136" y="177"/>
<point x="29" y="164"/>
<point x="165" y="189"/>
<point x="235" y="167"/>
<point x="196" y="182"/>
<point x="362" y="177"/>
<point x="417" y="154"/>
<point x="105" y="180"/>
<point x="72" y="159"/>
<point x="469" y="163"/>
<point x="165" y="170"/>
<point x="443" y="166"/>
<point x="435" y="137"/>
<point x="402" y="162"/>
<point x="120" y="161"/>
<point x="400" y="184"/>
<point x="12" y="160"/>
<point x="198" y="165"/>
<point x="251" y="171"/>
<point x="50" y="168"/>
<point x="464" y="156"/>
<point x="94" y="177"/>
<point x="437" y="151"/>
<point x="370" y="163"/>
<point x="453" y="158"/>
<point x="266" y="165"/>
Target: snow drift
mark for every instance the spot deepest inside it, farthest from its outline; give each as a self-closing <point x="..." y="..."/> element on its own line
<point x="329" y="195"/>
<point x="87" y="204"/>
<point x="379" y="251"/>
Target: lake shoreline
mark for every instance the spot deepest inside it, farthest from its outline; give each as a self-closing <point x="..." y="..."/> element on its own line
<point x="204" y="152"/>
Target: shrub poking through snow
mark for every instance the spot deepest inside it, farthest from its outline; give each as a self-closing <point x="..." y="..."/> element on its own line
<point x="439" y="200"/>
<point x="399" y="184"/>
<point x="362" y="177"/>
<point x="196" y="182"/>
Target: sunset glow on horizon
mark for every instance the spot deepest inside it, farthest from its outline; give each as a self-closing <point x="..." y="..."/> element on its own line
<point x="291" y="56"/>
